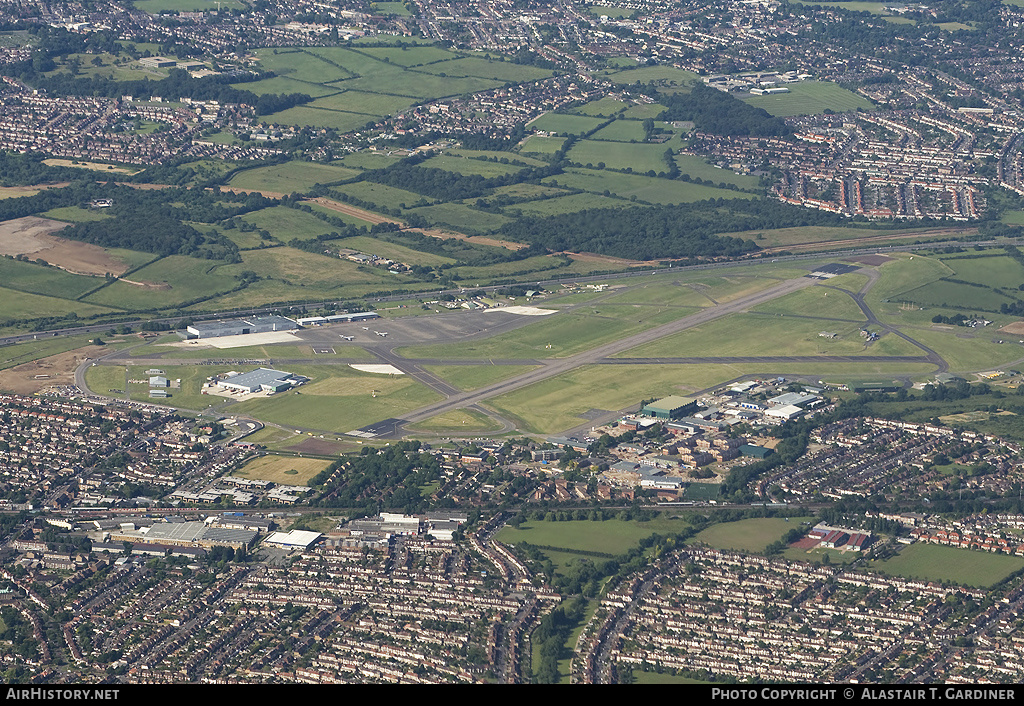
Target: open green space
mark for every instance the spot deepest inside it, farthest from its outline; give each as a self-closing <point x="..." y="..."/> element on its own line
<point x="604" y="107"/>
<point x="493" y="70"/>
<point x="156" y="7"/>
<point x="978" y="352"/>
<point x="644" y="188"/>
<point x="541" y="144"/>
<point x="285" y="85"/>
<point x="934" y="562"/>
<point x="24" y="306"/>
<point x="75" y="214"/>
<point x="460" y="421"/>
<point x="340" y="400"/>
<point x="819" y="302"/>
<point x="751" y="334"/>
<point x="316" y="117"/>
<point x="464" y="166"/>
<point x="290" y="177"/>
<point x="363" y="102"/>
<point x="775" y="237"/>
<point x="391" y="251"/>
<point x="559" y="403"/>
<point x="664" y="75"/>
<point x="472" y="377"/>
<point x="167" y="282"/>
<point x="283" y="470"/>
<point x="751" y="535"/>
<point x="461" y="217"/>
<point x="19" y="353"/>
<point x="810" y="98"/>
<point x="286" y="223"/>
<point x="995" y="271"/>
<point x="560" y="124"/>
<point x="565" y="204"/>
<point x="44" y="280"/>
<point x="612" y="536"/>
<point x="390" y="8"/>
<point x="621" y="131"/>
<point x="554" y="336"/>
<point x="346" y="217"/>
<point x="381" y="195"/>
<point x="612" y="12"/>
<point x="698" y="168"/>
<point x="641" y="158"/>
<point x="415" y="55"/>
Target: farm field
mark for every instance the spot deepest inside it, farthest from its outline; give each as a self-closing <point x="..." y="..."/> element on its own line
<point x="169" y="281"/>
<point x="809" y="98"/>
<point x="391" y="251"/>
<point x="20" y="306"/>
<point x="560" y="124"/>
<point x="74" y="214"/>
<point x="621" y="131"/>
<point x="482" y="68"/>
<point x="464" y="166"/>
<point x="641" y="158"/>
<point x="283" y="470"/>
<point x="565" y="204"/>
<point x="933" y="562"/>
<point x="460" y="217"/>
<point x="46" y="281"/>
<point x="539" y="144"/>
<point x="750" y="535"/>
<point x="285" y="223"/>
<point x="604" y="107"/>
<point x="644" y="188"/>
<point x="995" y="271"/>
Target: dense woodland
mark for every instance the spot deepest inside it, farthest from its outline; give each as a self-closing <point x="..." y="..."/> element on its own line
<point x="649" y="233"/>
<point x="720" y="113"/>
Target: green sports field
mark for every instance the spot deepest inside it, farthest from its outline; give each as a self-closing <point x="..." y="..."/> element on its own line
<point x="810" y="98"/>
<point x="934" y="562"/>
<point x="751" y="535"/>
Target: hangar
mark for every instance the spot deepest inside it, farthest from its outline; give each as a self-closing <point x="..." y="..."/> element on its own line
<point x="261" y="379"/>
<point x="237" y="327"/>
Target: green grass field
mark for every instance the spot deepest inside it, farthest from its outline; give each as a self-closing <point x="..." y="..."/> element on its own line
<point x="340" y="400"/>
<point x="603" y="107"/>
<point x="472" y="377"/>
<point x="460" y="421"/>
<point x="810" y="98"/>
<point x="290" y="177"/>
<point x="817" y="302"/>
<point x="74" y="214"/>
<point x="462" y="165"/>
<point x="557" y="404"/>
<point x="751" y="535"/>
<point x="283" y="470"/>
<point x="565" y="124"/>
<point x="753" y="334"/>
<point x="286" y="223"/>
<point x="39" y="279"/>
<point x="608" y="537"/>
<point x="155" y="7"/>
<point x="644" y="188"/>
<point x="641" y="158"/>
<point x="621" y="131"/>
<point x="668" y="75"/>
<point x="933" y="562"/>
<point x="697" y="168"/>
<point x="996" y="271"/>
<point x="538" y="144"/>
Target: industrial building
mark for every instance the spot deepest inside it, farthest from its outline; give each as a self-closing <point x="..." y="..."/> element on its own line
<point x="261" y="380"/>
<point x="238" y="327"/>
<point x="670" y="407"/>
<point x="338" y="318"/>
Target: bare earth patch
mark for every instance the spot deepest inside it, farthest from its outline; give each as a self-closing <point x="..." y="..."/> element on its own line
<point x="1016" y="328"/>
<point x="90" y="165"/>
<point x="26" y="379"/>
<point x="32" y="236"/>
